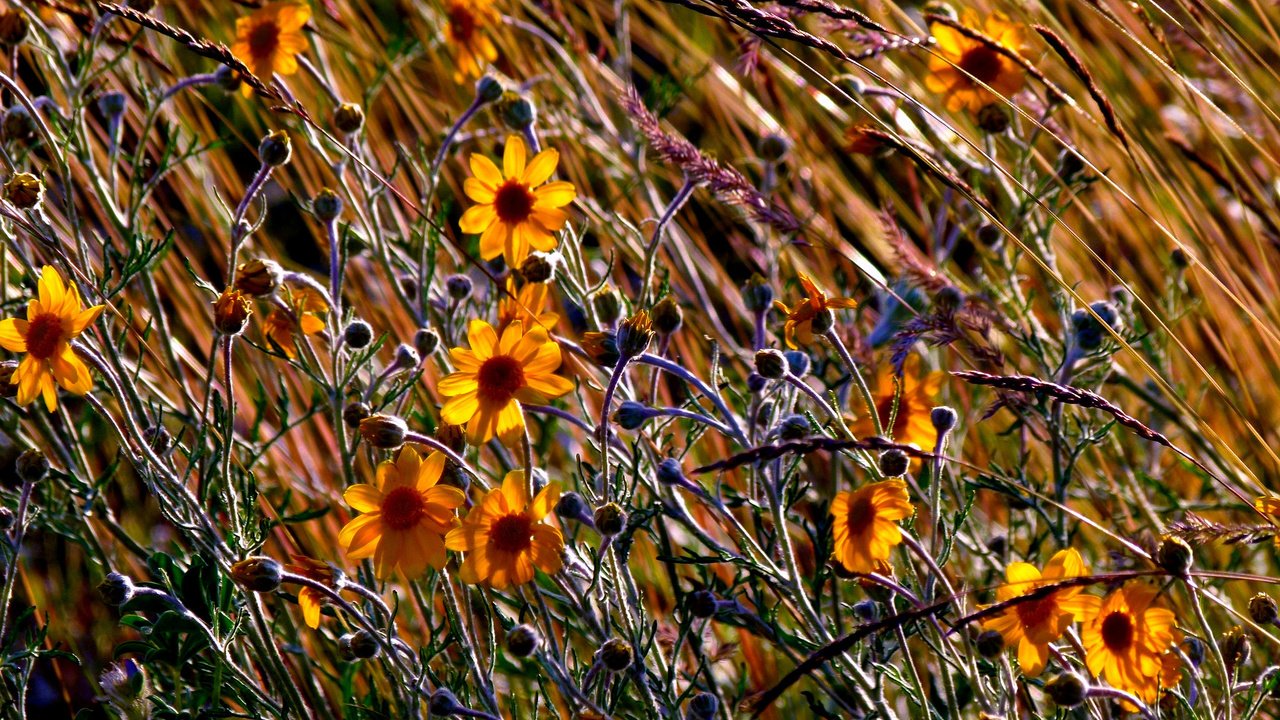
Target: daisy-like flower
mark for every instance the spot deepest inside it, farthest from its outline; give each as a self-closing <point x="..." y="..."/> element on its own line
<point x="526" y="305"/>
<point x="514" y="210"/>
<point x="281" y="326"/>
<point x="1033" y="624"/>
<point x="799" y="323"/>
<point x="465" y="28"/>
<point x="310" y="599"/>
<point x="405" y="516"/>
<point x="1127" y="639"/>
<point x="865" y="526"/>
<point x="496" y="375"/>
<point x="912" y="424"/>
<point x="961" y="62"/>
<point x="269" y="40"/>
<point x="54" y="318"/>
<point x="504" y="536"/>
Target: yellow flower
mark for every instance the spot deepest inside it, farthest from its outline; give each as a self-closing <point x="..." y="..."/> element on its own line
<point x="280" y="325"/>
<point x="1127" y="640"/>
<point x="799" y="323"/>
<point x="865" y="528"/>
<point x="268" y="40"/>
<point x="54" y="319"/>
<point x="960" y="62"/>
<point x="504" y="536"/>
<point x="912" y="425"/>
<point x="404" y="517"/>
<point x="1033" y="624"/>
<point x="527" y="305"/>
<point x="465" y="30"/>
<point x="496" y="375"/>
<point x="512" y="213"/>
<point x="310" y="599"/>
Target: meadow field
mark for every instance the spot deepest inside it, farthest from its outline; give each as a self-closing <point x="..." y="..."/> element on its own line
<point x="672" y="359"/>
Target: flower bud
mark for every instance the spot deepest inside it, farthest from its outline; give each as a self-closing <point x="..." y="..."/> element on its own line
<point x="1180" y="259"/>
<point x="894" y="463"/>
<point x="459" y="287"/>
<point x="452" y="436"/>
<point x="823" y="321"/>
<point x="610" y="519"/>
<point x="1067" y="690"/>
<point x="702" y="603"/>
<point x="1236" y="648"/>
<point x="990" y="644"/>
<point x="794" y="427"/>
<point x="944" y="419"/>
<point x="488" y="89"/>
<point x="523" y="641"/>
<point x="426" y="341"/>
<point x="116" y="589"/>
<point x="797" y="362"/>
<point x="516" y="112"/>
<point x="539" y="267"/>
<point x="669" y="472"/>
<point x="32" y="466"/>
<point x="18" y="125"/>
<point x="112" y="104"/>
<point x="994" y="118"/>
<point x="571" y="506"/>
<point x="601" y="347"/>
<point x="774" y="147"/>
<point x="667" y="316"/>
<point x="948" y="299"/>
<point x="406" y="357"/>
<point x="444" y="703"/>
<point x="327" y="205"/>
<point x="868" y="611"/>
<point x="348" y="118"/>
<point x="358" y="334"/>
<point x="757" y="295"/>
<point x="259" y="277"/>
<point x="703" y="706"/>
<point x="1262" y="609"/>
<point x="24" y="190"/>
<point x="227" y="79"/>
<point x="608" y="304"/>
<point x="771" y="364"/>
<point x="990" y="235"/>
<point x="1174" y="555"/>
<point x="634" y="335"/>
<point x="259" y="573"/>
<point x="275" y="148"/>
<point x="632" y="415"/>
<point x="14" y="27"/>
<point x="231" y="312"/>
<point x="615" y="655"/>
<point x="358" y="645"/>
<point x="386" y="432"/>
<point x="756" y="383"/>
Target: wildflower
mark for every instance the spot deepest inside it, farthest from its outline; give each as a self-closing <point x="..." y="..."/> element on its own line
<point x="963" y="65"/>
<point x="1126" y="638"/>
<point x="512" y="213"/>
<point x="865" y="524"/>
<point x="528" y="305"/>
<point x="799" y="323"/>
<point x="269" y="40"/>
<point x="303" y="317"/>
<point x="634" y="335"/>
<point x="615" y="654"/>
<point x="496" y="375"/>
<point x="54" y="319"/>
<point x="259" y="277"/>
<point x="359" y="645"/>
<point x="231" y="311"/>
<point x="385" y="432"/>
<point x="404" y="517"/>
<point x="523" y="640"/>
<point x="667" y="316"/>
<point x="601" y="347"/>
<point x="1033" y="624"/>
<point x="259" y="574"/>
<point x="504" y="536"/>
<point x="24" y="190"/>
<point x="310" y="599"/>
<point x="913" y="423"/>
<point x="465" y="28"/>
<point x="348" y="118"/>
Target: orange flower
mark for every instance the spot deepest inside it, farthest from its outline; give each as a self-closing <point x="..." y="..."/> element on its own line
<point x="799" y="323"/>
<point x="54" y="319"/>
<point x="512" y="213"/>
<point x="310" y="599"/>
<point x="465" y="29"/>
<point x="1033" y="624"/>
<point x="527" y="305"/>
<point x="912" y="425"/>
<point x="280" y="326"/>
<point x="504" y="536"/>
<point x="865" y="528"/>
<point x="269" y="40"/>
<point x="1127" y="640"/>
<point x="961" y="62"/>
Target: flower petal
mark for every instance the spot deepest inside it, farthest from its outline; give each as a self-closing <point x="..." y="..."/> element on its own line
<point x="513" y="158"/>
<point x="541" y="168"/>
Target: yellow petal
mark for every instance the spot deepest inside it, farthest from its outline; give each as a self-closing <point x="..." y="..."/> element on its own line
<point x="513" y="157"/>
<point x="13" y="335"/>
<point x="364" y="498"/>
<point x="541" y="168"/>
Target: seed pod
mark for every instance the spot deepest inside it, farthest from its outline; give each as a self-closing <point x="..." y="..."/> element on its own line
<point x="354" y="413"/>
<point x="348" y="118"/>
<point x="426" y="341"/>
<point x="386" y="432"/>
<point x="610" y="519"/>
<point x="608" y="304"/>
<point x="275" y="148"/>
<point x="259" y="573"/>
<point x="757" y="295"/>
<point x="894" y="463"/>
<point x="1236" y="648"/>
<point x="523" y="641"/>
<point x="358" y="334"/>
<point x="771" y="364"/>
<point x="259" y="277"/>
<point x="231" y="312"/>
<point x="539" y="267"/>
<point x="615" y="655"/>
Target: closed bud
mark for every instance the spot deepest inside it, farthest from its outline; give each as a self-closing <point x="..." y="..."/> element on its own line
<point x="794" y="427"/>
<point x="116" y="589"/>
<point x="32" y="466"/>
<point x="18" y="125"/>
<point x="632" y="415"/>
<point x="231" y="312"/>
<point x="667" y="316"/>
<point x="523" y="641"/>
<point x="994" y="118"/>
<point x="348" y="118"/>
<point x="275" y="149"/>
<point x="227" y="79"/>
<point x="771" y="364"/>
<point x="8" y="388"/>
<point x="426" y="341"/>
<point x="1262" y="609"/>
<point x="601" y="347"/>
<point x="867" y="611"/>
<point x="24" y="190"/>
<point x="703" y="706"/>
<point x="608" y="304"/>
<point x="358" y="645"/>
<point x="823" y="321"/>
<point x="944" y="419"/>
<point x="516" y="112"/>
<point x="259" y="277"/>
<point x="451" y="436"/>
<point x="112" y="104"/>
<point x="990" y="644"/>
<point x="894" y="463"/>
<point x="990" y="235"/>
<point x="571" y="506"/>
<point x="1236" y="648"/>
<point x="259" y="573"/>
<point x="539" y="267"/>
<point x="327" y="205"/>
<point x="948" y="300"/>
<point x="634" y="335"/>
<point x="615" y="655"/>
<point x="1180" y="258"/>
<point x="385" y="432"/>
<point x="459" y="287"/>
<point x="774" y="147"/>
<point x="1067" y="690"/>
<point x="357" y="334"/>
<point x="702" y="603"/>
<point x="444" y="703"/>
<point x="797" y="362"/>
<point x="757" y="295"/>
<point x="669" y="472"/>
<point x="1174" y="555"/>
<point x="406" y="358"/>
<point x="756" y="383"/>
<point x="13" y="27"/>
<point x="610" y="519"/>
<point x="488" y="89"/>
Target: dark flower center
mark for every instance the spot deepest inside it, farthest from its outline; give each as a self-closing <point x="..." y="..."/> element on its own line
<point x="982" y="62"/>
<point x="402" y="508"/>
<point x="1035" y="612"/>
<point x="513" y="202"/>
<point x="263" y="40"/>
<point x="862" y="512"/>
<point x="512" y="533"/>
<point x="500" y="378"/>
<point x="462" y="23"/>
<point x="1117" y="632"/>
<point x="884" y="408"/>
<point x="44" y="336"/>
